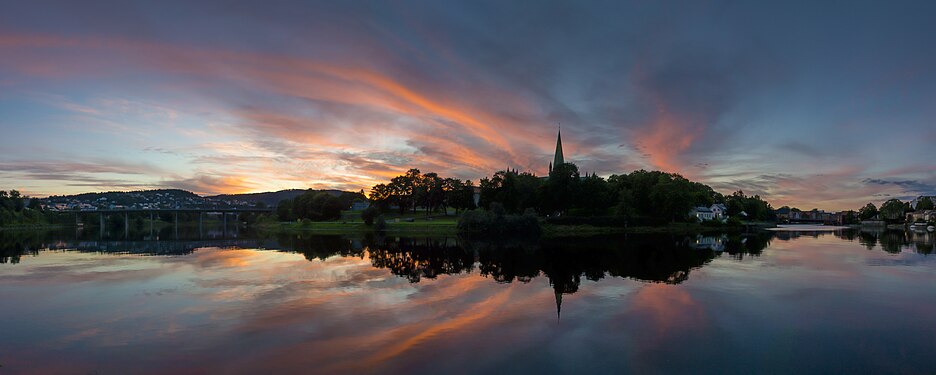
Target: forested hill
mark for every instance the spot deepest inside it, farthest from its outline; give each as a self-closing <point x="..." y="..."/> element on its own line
<point x="159" y="198"/>
<point x="270" y="198"/>
<point x="117" y="195"/>
<point x="170" y="198"/>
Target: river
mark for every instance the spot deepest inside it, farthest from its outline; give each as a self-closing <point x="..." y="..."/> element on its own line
<point x="246" y="302"/>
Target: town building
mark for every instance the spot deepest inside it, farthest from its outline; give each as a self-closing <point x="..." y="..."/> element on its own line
<point x="788" y="215"/>
<point x="921" y="216"/>
<point x="714" y="243"/>
<point x="720" y="211"/>
<point x="702" y="213"/>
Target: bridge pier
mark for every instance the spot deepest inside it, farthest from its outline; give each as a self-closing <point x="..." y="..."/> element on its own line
<point x="223" y="224"/>
<point x="103" y="216"/>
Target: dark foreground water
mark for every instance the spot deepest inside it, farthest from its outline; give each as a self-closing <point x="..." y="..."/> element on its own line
<point x="236" y="302"/>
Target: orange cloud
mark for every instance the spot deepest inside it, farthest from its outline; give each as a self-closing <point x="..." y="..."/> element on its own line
<point x="667" y="312"/>
<point x="464" y="320"/>
<point x="462" y="133"/>
<point x="666" y="139"/>
<point x="210" y="258"/>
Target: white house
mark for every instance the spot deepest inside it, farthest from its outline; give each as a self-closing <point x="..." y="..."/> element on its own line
<point x="702" y="213"/>
<point x="716" y="244"/>
<point x="720" y="211"/>
<point x="921" y="216"/>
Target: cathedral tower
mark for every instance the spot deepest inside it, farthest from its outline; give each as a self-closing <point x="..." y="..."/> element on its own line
<point x="557" y="159"/>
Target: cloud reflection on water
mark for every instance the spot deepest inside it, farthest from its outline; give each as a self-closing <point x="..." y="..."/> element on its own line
<point x="246" y="311"/>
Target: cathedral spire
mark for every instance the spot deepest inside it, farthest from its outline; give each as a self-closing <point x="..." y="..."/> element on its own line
<point x="558" y="305"/>
<point x="558" y="159"/>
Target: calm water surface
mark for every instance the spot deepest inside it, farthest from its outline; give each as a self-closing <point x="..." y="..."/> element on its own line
<point x="243" y="303"/>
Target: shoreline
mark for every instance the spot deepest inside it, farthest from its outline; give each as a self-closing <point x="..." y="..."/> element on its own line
<point x="548" y="230"/>
<point x="37" y="226"/>
<point x="449" y="227"/>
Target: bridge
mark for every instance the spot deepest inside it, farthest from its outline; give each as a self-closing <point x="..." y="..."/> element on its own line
<point x="154" y="211"/>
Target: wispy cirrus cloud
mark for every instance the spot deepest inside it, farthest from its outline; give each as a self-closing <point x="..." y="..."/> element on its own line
<point x="912" y="187"/>
<point x="84" y="175"/>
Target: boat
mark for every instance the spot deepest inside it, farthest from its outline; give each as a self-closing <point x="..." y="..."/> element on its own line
<point x="931" y="228"/>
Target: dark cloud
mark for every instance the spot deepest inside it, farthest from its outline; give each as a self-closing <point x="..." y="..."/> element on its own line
<point x="97" y="175"/>
<point x="34" y="167"/>
<point x="909" y="186"/>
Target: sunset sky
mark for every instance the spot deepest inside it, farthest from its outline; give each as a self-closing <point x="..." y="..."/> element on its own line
<point x="812" y="104"/>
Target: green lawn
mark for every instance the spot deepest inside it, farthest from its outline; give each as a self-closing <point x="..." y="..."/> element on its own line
<point x="351" y="222"/>
<point x="674" y="228"/>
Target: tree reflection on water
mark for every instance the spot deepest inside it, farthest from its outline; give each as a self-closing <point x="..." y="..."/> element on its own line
<point x="564" y="261"/>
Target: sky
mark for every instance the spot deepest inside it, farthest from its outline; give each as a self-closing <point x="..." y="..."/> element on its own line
<point x="824" y="105"/>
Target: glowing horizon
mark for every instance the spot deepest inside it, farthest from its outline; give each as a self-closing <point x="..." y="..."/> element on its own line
<point x="238" y="99"/>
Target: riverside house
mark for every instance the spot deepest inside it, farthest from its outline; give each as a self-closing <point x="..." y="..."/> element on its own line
<point x="702" y="213"/>
<point x="921" y="216"/>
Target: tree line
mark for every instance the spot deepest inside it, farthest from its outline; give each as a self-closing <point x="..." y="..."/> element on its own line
<point x="14" y="209"/>
<point x="316" y="205"/>
<point x="893" y="210"/>
<point x="649" y="197"/>
<point x="431" y="192"/>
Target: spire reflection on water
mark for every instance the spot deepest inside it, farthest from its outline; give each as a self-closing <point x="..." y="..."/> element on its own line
<point x="250" y="302"/>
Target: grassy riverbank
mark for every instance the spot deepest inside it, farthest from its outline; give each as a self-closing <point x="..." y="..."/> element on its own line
<point x="35" y="226"/>
<point x="409" y="223"/>
<point x="674" y="228"/>
<point x="412" y="223"/>
<point x="448" y="225"/>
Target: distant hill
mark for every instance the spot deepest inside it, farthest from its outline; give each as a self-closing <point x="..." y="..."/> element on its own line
<point x="270" y="198"/>
<point x="172" y="198"/>
<point x="116" y="195"/>
<point x="160" y="198"/>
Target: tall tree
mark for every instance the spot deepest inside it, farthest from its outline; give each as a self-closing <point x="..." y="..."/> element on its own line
<point x="284" y="210"/>
<point x="672" y="199"/>
<point x="925" y="203"/>
<point x="381" y="195"/>
<point x="892" y="210"/>
<point x="34" y="204"/>
<point x="557" y="194"/>
<point x="594" y="195"/>
<point x="868" y="212"/>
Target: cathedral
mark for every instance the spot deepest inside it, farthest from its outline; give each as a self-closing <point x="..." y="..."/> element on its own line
<point x="557" y="159"/>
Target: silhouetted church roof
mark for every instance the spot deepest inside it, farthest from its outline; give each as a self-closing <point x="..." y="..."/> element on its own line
<point x="558" y="159"/>
<point x="558" y="305"/>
